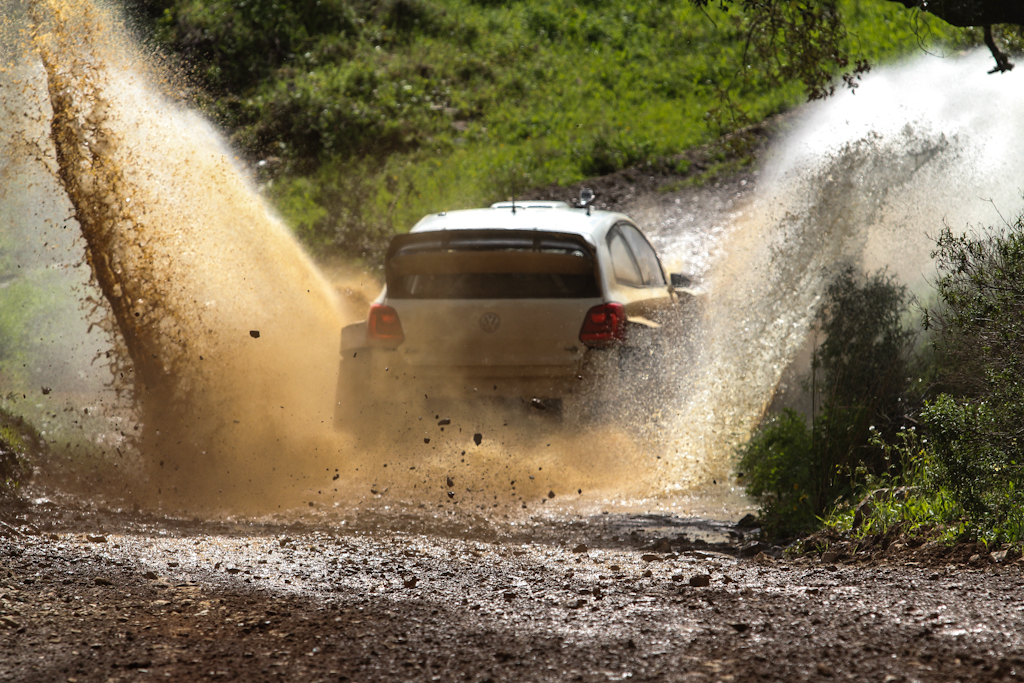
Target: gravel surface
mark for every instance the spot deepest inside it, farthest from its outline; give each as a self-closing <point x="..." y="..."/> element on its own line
<point x="159" y="598"/>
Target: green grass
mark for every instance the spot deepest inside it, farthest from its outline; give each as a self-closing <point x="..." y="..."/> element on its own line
<point x="372" y="114"/>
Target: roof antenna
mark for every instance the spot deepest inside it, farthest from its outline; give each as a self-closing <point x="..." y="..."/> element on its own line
<point x="513" y="203"/>
<point x="587" y="197"/>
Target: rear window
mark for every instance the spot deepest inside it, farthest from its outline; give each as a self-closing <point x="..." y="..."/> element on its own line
<point x="477" y="264"/>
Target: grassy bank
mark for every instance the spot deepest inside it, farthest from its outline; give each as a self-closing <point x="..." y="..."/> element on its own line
<point x="363" y="116"/>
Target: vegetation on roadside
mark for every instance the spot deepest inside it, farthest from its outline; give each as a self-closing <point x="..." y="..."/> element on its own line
<point x="19" y="443"/>
<point x="949" y="464"/>
<point x="860" y="384"/>
<point x="364" y="115"/>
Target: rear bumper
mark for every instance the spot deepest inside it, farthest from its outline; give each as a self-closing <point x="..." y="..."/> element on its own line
<point x="390" y="376"/>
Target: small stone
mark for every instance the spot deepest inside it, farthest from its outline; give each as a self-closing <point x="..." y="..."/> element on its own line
<point x="998" y="556"/>
<point x="700" y="581"/>
<point x="649" y="557"/>
<point x="677" y="578"/>
<point x="477" y="438"/>
<point x="753" y="548"/>
<point x="100" y="581"/>
<point x="748" y="521"/>
<point x="597" y="593"/>
<point x="444" y="422"/>
<point x="152" y="575"/>
<point x="96" y="538"/>
<point x="255" y="334"/>
<point x="551" y="494"/>
<point x="829" y="557"/>
<point x="232" y="570"/>
<point x="825" y="670"/>
<point x="975" y="559"/>
<point x="450" y="482"/>
<point x="410" y="582"/>
<point x="581" y="548"/>
<point x="576" y="604"/>
<point x="172" y="563"/>
<point x="9" y="622"/>
<point x="728" y="579"/>
<point x="740" y="628"/>
<point x="763" y="559"/>
<point x="426" y="440"/>
<point x="451" y="494"/>
<point x="647" y="574"/>
<point x="509" y="596"/>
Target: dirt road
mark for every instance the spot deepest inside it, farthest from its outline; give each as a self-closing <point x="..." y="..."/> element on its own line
<point x="98" y="595"/>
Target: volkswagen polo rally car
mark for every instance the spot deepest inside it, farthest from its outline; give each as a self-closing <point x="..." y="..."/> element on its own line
<point x="538" y="301"/>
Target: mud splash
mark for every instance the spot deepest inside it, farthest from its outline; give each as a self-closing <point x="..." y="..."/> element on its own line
<point x="191" y="266"/>
<point x="866" y="180"/>
<point x="217" y="311"/>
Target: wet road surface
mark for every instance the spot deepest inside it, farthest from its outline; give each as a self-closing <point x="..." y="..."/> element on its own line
<point x="98" y="596"/>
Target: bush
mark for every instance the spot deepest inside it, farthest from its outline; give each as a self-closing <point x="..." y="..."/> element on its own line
<point x="977" y="426"/>
<point x="777" y="464"/>
<point x="799" y="472"/>
<point x="19" y="443"/>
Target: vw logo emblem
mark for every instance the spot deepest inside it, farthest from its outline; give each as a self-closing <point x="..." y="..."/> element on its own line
<point x="490" y="322"/>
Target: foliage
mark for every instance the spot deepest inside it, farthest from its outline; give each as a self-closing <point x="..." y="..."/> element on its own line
<point x="962" y="476"/>
<point x="803" y="41"/>
<point x="19" y="442"/>
<point x="902" y="496"/>
<point x="864" y="367"/>
<point x="368" y="115"/>
<point x="777" y="466"/>
<point x="977" y="427"/>
<point x="799" y="472"/>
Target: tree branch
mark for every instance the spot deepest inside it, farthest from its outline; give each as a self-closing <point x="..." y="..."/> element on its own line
<point x="1003" y="62"/>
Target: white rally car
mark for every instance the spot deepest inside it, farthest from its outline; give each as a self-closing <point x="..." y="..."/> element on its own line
<point x="535" y="300"/>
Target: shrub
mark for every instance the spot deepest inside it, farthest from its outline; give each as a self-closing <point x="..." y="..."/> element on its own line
<point x="977" y="426"/>
<point x="19" y="442"/>
<point x="799" y="472"/>
<point x="777" y="464"/>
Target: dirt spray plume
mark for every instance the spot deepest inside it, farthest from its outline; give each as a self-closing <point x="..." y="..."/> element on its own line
<point x="215" y="305"/>
<point x="865" y="180"/>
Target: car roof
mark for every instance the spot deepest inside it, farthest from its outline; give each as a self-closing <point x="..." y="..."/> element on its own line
<point x="528" y="215"/>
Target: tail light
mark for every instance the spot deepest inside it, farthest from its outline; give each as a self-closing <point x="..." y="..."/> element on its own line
<point x="383" y="326"/>
<point x="604" y="325"/>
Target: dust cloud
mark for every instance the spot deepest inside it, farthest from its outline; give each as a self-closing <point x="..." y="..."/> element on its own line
<point x="225" y="336"/>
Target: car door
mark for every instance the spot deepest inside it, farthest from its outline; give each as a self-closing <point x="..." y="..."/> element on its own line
<point x="638" y="274"/>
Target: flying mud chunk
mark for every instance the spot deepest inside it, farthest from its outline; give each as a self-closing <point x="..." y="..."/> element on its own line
<point x="477" y="438"/>
<point x="255" y="334"/>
